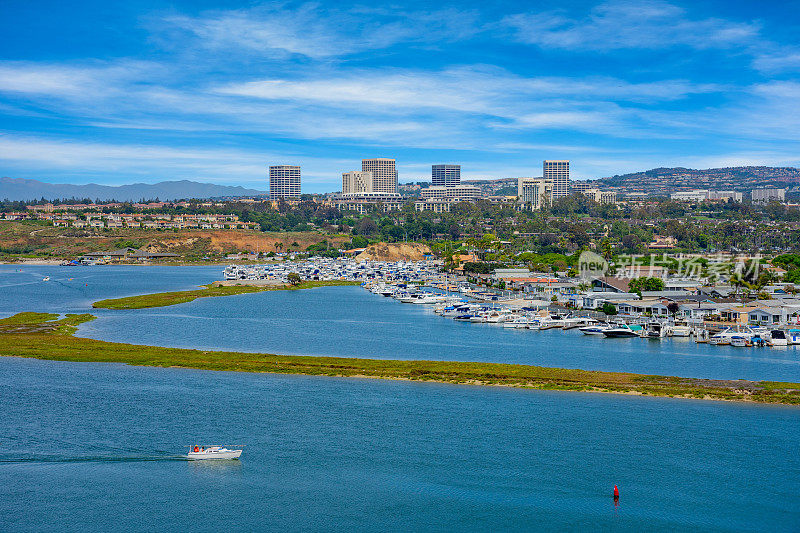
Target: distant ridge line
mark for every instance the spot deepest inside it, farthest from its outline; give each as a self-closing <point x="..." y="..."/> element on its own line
<point x="23" y="189"/>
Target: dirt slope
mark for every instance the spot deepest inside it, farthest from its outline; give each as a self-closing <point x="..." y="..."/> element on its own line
<point x="405" y="251"/>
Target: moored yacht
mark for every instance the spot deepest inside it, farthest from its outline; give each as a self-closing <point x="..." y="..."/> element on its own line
<point x="622" y="330"/>
<point x="594" y="329"/>
<point x="777" y="337"/>
<point x="725" y="336"/>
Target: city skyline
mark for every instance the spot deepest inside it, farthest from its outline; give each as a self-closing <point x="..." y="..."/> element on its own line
<point x="153" y="91"/>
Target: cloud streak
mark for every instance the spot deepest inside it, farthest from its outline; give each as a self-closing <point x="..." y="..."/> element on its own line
<point x="626" y="24"/>
<point x="309" y="30"/>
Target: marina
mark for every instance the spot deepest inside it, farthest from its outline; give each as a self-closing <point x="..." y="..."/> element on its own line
<point x="424" y="283"/>
<point x="363" y="325"/>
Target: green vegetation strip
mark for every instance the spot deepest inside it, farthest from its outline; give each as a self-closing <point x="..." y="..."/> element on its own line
<point x="44" y="336"/>
<point x="162" y="299"/>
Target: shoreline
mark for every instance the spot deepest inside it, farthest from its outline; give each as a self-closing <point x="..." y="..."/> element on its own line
<point x="45" y="336"/>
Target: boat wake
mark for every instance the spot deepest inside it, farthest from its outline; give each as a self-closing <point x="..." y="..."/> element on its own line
<point x="50" y="459"/>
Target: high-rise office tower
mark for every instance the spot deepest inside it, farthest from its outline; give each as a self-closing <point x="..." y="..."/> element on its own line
<point x="356" y="182"/>
<point x="445" y="175"/>
<point x="284" y="182"/>
<point x="535" y="192"/>
<point x="384" y="174"/>
<point x="558" y="171"/>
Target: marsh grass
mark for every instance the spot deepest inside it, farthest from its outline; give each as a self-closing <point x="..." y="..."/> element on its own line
<point x="45" y="336"/>
<point x="163" y="299"/>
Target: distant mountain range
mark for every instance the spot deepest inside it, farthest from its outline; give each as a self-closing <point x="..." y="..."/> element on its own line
<point x="26" y="189"/>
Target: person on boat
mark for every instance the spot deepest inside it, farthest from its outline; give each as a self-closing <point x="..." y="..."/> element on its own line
<point x="196" y="449"/>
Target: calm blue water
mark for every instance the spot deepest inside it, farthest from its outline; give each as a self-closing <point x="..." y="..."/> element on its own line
<point x="92" y="447"/>
<point x="73" y="289"/>
<point x="351" y="322"/>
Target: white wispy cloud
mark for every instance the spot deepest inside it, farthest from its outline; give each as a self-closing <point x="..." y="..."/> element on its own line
<point x="779" y="60"/>
<point x="382" y="106"/>
<point x="276" y="30"/>
<point x="73" y="81"/>
<point x="625" y="24"/>
<point x="477" y="88"/>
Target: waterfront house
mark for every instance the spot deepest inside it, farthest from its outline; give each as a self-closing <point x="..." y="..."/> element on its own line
<point x="739" y="314"/>
<point x="767" y="316"/>
<point x="651" y="306"/>
<point x="610" y="284"/>
<point x="595" y="300"/>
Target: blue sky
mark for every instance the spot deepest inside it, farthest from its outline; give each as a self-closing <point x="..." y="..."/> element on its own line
<point x="145" y="91"/>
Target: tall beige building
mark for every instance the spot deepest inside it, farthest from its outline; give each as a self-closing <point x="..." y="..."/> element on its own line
<point x="384" y="174"/>
<point x="357" y="182"/>
<point x="558" y="171"/>
<point x="535" y="192"/>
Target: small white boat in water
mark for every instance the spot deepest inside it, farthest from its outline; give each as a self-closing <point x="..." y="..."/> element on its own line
<point x="197" y="453"/>
<point x="46" y="278"/>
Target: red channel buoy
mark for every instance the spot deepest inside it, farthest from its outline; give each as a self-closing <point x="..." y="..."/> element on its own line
<point x="616" y="493"/>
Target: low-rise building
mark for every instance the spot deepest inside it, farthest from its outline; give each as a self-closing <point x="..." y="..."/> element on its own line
<point x="696" y="195"/>
<point x="366" y="201"/>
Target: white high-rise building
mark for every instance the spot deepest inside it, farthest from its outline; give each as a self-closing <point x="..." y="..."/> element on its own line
<point x="357" y="182"/>
<point x="284" y="182"/>
<point x="384" y="174"/>
<point x="535" y="192"/>
<point x="763" y="196"/>
<point x="558" y="171"/>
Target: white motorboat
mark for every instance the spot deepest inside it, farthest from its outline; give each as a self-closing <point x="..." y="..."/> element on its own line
<point x="740" y="341"/>
<point x="623" y="330"/>
<point x="656" y="330"/>
<point x="198" y="453"/>
<point x="46" y="278"/>
<point x="496" y="317"/>
<point x="724" y="337"/>
<point x="430" y="299"/>
<point x="777" y="337"/>
<point x="577" y="322"/>
<point x="681" y="331"/>
<point x="595" y="329"/>
<point x="520" y="322"/>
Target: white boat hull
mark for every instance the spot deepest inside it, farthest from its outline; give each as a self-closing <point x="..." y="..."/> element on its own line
<point x="222" y="454"/>
<point x="681" y="331"/>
